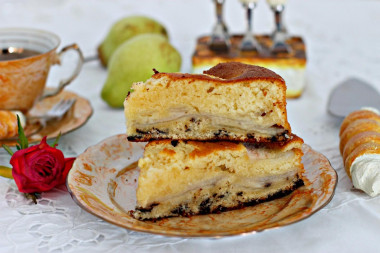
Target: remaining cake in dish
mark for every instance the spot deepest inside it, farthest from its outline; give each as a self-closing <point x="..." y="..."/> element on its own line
<point x="290" y="66"/>
<point x="194" y="177"/>
<point x="231" y="101"/>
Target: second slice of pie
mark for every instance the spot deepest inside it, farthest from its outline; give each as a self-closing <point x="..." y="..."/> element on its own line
<point x="193" y="177"/>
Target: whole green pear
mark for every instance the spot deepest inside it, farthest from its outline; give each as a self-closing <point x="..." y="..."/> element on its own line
<point x="134" y="61"/>
<point x="126" y="29"/>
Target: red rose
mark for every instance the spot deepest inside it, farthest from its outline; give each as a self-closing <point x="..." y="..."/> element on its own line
<point x="39" y="168"/>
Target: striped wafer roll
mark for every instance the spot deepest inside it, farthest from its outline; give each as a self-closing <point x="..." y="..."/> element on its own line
<point x="369" y="148"/>
<point x="356" y="115"/>
<point x="360" y="149"/>
<point x="357" y="140"/>
<point x="356" y="127"/>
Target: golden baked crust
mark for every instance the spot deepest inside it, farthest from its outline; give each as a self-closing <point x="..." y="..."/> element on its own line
<point x="233" y="101"/>
<point x="239" y="72"/>
<point x="228" y="73"/>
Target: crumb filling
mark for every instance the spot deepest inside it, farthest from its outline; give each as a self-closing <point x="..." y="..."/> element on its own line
<point x="207" y="200"/>
<point x="214" y="122"/>
<point x="246" y="184"/>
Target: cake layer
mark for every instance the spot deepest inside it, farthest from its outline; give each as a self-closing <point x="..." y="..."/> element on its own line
<point x="215" y="199"/>
<point x="291" y="66"/>
<point x="231" y="101"/>
<point x="192" y="177"/>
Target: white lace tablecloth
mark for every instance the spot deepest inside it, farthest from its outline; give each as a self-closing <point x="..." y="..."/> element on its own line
<point x="342" y="40"/>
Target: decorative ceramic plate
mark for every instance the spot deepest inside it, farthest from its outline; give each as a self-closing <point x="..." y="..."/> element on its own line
<point x="103" y="181"/>
<point x="74" y="118"/>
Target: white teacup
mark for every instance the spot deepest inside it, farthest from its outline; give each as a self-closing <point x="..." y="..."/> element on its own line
<point x="25" y="59"/>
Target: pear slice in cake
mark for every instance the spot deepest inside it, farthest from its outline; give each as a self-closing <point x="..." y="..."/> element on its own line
<point x="194" y="177"/>
<point x="231" y="101"/>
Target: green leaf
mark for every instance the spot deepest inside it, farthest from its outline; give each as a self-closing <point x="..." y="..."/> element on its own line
<point x="18" y="147"/>
<point x="22" y="140"/>
<point x="56" y="140"/>
<point x="8" y="149"/>
<point x="6" y="172"/>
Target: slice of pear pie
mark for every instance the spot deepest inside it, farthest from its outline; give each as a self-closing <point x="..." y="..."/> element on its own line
<point x="217" y="142"/>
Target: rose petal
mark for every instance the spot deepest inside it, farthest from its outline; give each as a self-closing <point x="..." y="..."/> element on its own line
<point x="39" y="168"/>
<point x="68" y="165"/>
<point x="43" y="144"/>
